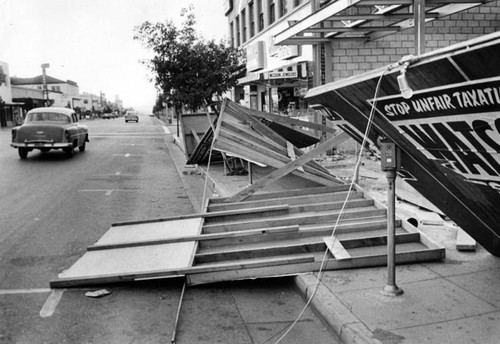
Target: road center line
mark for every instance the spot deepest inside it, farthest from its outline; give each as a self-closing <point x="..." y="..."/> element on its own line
<point x="51" y="303"/>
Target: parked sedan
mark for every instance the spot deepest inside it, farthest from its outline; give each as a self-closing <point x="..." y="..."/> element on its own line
<point x="50" y="128"/>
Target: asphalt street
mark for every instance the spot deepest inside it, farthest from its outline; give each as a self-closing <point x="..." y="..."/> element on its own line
<point x="52" y="208"/>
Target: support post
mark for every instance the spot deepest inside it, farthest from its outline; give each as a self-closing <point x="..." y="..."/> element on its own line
<point x="419" y="26"/>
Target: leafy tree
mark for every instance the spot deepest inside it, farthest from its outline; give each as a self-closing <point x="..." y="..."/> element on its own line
<point x="188" y="70"/>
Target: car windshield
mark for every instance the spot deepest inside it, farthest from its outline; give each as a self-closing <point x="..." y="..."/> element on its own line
<point x="47" y="116"/>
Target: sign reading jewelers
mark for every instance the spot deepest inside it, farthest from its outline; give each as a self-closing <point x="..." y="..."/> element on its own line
<point x="458" y="124"/>
<point x="283" y="75"/>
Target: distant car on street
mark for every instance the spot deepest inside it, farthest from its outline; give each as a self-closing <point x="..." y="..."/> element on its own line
<point x="132" y="116"/>
<point x="107" y="116"/>
<point x="50" y="128"/>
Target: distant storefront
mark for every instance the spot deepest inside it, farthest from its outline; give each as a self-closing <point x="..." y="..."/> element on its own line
<point x="11" y="113"/>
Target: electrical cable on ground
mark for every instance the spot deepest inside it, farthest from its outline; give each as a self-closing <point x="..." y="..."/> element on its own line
<point x="319" y="276"/>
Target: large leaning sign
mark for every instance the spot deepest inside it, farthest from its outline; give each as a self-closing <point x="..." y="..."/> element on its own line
<point x="458" y="123"/>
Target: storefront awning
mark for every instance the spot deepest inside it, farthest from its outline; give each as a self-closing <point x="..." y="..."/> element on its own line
<point x="366" y="20"/>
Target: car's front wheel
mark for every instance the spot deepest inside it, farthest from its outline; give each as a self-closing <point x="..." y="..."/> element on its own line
<point x="23" y="152"/>
<point x="82" y="147"/>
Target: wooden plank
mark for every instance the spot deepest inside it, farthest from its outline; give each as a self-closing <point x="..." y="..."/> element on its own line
<point x="464" y="241"/>
<point x="291" y="201"/>
<point x="288" y="193"/>
<point x="406" y="256"/>
<point x="275" y="175"/>
<point x="260" y="250"/>
<point x="199" y="237"/>
<point x="336" y="248"/>
<point x="300" y="219"/>
<point x="294" y="121"/>
<point x="204" y="215"/>
<point x="195" y="136"/>
<point x="67" y="282"/>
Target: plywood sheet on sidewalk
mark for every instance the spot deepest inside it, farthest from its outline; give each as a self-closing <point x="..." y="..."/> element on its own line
<point x="131" y="251"/>
<point x="230" y="242"/>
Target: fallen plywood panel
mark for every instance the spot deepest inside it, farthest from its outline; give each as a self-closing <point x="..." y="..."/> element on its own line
<point x="132" y="262"/>
<point x="194" y="126"/>
<point x="269" y="234"/>
<point x="238" y="133"/>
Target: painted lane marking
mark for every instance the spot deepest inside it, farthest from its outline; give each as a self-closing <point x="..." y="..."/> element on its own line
<point x="51" y="303"/>
<point x="126" y="155"/>
<point x="117" y="173"/>
<point x="24" y="291"/>
<point x="107" y="192"/>
<point x="166" y="130"/>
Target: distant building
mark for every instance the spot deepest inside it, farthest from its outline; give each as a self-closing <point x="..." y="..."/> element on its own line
<point x="11" y="112"/>
<point x="60" y="93"/>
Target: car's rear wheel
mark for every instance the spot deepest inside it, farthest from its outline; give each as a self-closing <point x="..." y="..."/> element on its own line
<point x="82" y="147"/>
<point x="70" y="151"/>
<point x="23" y="152"/>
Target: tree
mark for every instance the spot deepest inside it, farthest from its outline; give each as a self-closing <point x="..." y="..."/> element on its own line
<point x="188" y="70"/>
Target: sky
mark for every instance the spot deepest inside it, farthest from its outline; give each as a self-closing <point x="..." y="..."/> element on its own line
<point x="91" y="41"/>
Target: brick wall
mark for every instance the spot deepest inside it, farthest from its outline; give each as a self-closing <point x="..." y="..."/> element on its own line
<point x="351" y="58"/>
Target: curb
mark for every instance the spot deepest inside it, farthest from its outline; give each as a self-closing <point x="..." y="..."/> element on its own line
<point x="340" y="320"/>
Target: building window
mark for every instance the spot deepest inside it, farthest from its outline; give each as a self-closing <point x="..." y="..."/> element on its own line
<point x="244" y="25"/>
<point x="251" y="18"/>
<point x="231" y="34"/>
<point x="238" y="32"/>
<point x="272" y="13"/>
<point x="261" y="15"/>
<point x="296" y="3"/>
<point x="282" y="8"/>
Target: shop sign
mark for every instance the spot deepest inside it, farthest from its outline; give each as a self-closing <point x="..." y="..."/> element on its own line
<point x="255" y="56"/>
<point x="457" y="123"/>
<point x="283" y="75"/>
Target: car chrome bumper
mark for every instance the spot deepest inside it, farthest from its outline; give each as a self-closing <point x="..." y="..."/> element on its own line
<point x="36" y="145"/>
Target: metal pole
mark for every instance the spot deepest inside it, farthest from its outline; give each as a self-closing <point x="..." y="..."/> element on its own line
<point x="391" y="289"/>
<point x="419" y="27"/>
<point x="178" y="312"/>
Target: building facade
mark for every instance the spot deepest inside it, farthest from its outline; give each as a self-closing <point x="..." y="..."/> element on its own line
<point x="293" y="45"/>
<point x="11" y="112"/>
<point x="277" y="77"/>
<point x="59" y="93"/>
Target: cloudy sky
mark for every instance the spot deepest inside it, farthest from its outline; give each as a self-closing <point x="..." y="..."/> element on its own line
<point x="90" y="41"/>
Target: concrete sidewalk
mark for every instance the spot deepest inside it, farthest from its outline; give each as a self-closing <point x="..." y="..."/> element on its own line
<point x="454" y="301"/>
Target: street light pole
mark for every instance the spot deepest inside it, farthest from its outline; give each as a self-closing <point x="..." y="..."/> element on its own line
<point x="45" y="91"/>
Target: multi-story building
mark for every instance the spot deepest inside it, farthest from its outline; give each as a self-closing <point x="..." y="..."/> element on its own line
<point x="292" y="45"/>
<point x="277" y="77"/>
<point x="356" y="36"/>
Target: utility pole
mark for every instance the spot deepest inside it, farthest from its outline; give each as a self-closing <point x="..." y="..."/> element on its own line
<point x="45" y="91"/>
